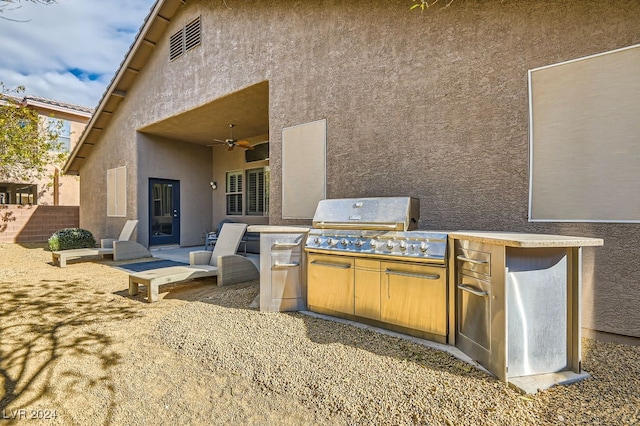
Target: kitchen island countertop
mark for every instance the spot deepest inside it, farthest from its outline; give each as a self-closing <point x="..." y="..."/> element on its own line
<point x="525" y="240"/>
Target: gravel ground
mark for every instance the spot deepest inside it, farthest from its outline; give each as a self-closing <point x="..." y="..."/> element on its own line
<point x="73" y="344"/>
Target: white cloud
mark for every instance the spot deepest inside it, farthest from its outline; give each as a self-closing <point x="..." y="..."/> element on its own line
<point x="50" y="44"/>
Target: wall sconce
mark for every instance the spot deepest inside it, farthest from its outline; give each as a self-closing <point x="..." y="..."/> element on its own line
<point x="213" y="184"/>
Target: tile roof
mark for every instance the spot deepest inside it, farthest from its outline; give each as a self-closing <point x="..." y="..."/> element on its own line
<point x="58" y="104"/>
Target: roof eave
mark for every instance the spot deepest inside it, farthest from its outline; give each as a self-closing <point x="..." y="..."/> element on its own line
<point x="72" y="166"/>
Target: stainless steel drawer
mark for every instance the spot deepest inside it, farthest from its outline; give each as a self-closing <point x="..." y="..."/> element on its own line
<point x="283" y="244"/>
<point x="286" y="277"/>
<point x="474" y="311"/>
<point x="473" y="261"/>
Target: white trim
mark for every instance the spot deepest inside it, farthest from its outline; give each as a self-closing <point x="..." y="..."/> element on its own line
<point x="584" y="57"/>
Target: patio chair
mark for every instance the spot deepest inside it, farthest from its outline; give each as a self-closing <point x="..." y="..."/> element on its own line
<point x="120" y="248"/>
<point x="222" y="263"/>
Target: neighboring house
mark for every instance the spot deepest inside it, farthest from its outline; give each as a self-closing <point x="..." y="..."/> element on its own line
<point x="53" y="189"/>
<point x="354" y="98"/>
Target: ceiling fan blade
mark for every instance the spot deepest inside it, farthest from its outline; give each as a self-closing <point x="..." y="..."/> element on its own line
<point x="244" y="144"/>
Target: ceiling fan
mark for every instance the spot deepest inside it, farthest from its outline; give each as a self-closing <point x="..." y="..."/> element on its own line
<point x="231" y="142"/>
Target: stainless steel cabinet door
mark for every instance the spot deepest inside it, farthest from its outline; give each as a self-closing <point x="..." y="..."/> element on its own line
<point x="286" y="276"/>
<point x="330" y="283"/>
<point x="367" y="289"/>
<point x="414" y="296"/>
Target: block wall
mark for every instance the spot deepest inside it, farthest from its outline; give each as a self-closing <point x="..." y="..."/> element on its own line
<point x="33" y="224"/>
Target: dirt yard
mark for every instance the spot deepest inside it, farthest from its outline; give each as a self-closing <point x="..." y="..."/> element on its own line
<point x="76" y="349"/>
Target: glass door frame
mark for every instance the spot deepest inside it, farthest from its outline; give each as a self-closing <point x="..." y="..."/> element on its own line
<point x="170" y="209"/>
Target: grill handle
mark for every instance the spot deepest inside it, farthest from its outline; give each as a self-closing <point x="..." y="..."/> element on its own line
<point x="331" y="265"/>
<point x="473" y="290"/>
<point x="284" y="245"/>
<point x="359" y="226"/>
<point x="413" y="274"/>
<point x="285" y="265"/>
<point x="474" y="261"/>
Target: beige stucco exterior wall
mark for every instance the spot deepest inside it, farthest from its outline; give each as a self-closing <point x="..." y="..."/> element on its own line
<point x="118" y="148"/>
<point x="432" y="105"/>
<point x="191" y="165"/>
<point x="69" y="186"/>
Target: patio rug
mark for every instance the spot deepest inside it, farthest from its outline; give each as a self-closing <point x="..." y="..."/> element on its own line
<point x="145" y="266"/>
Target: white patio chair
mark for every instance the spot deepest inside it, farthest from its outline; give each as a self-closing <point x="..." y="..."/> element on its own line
<point x="121" y="248"/>
<point x="222" y="263"/>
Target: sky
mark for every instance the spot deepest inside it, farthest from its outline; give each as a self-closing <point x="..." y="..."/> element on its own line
<point x="68" y="51"/>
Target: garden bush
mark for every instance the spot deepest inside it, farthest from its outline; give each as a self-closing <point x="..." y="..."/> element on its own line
<point x="71" y="238"/>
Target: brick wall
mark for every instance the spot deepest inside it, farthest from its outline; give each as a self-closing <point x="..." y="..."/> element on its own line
<point x="22" y="224"/>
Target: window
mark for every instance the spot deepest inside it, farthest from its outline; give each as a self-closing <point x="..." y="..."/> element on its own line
<point x="234" y="193"/>
<point x="260" y="152"/>
<point x="116" y="192"/>
<point x="185" y="39"/>
<point x="257" y="193"/>
<point x="63" y="129"/>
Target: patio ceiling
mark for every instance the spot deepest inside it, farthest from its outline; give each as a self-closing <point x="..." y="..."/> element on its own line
<point x="247" y="109"/>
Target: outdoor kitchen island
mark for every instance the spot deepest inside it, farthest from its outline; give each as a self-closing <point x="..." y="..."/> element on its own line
<point x="515" y="304"/>
<point x="510" y="301"/>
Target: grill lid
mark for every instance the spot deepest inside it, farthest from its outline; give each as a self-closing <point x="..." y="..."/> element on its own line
<point x="377" y="213"/>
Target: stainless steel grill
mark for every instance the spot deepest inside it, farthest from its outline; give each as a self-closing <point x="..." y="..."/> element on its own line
<point x="367" y="261"/>
<point x="375" y="227"/>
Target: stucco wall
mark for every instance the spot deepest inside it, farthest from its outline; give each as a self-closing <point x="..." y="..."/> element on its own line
<point x="432" y="105"/>
<point x="188" y="163"/>
<point x="117" y="148"/>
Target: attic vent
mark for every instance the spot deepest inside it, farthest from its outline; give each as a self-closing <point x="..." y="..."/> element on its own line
<point x="192" y="34"/>
<point x="175" y="45"/>
<point x="185" y="39"/>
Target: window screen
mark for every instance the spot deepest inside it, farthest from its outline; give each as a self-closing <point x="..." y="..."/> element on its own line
<point x="303" y="169"/>
<point x="585" y="139"/>
<point x="116" y="192"/>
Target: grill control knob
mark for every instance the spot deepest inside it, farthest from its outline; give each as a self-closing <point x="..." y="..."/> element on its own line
<point x="331" y="242"/>
<point x="316" y="240"/>
<point x="359" y="243"/>
<point x="403" y="245"/>
<point x="344" y="242"/>
<point x="373" y="243"/>
<point x="390" y="244"/>
<point x="424" y="247"/>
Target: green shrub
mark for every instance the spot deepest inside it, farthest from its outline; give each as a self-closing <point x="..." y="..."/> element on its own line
<point x="71" y="238"/>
